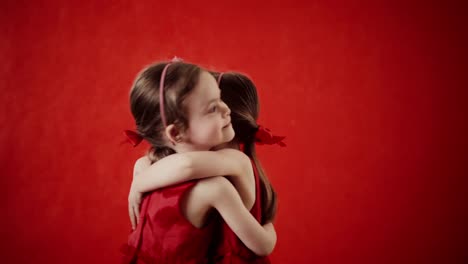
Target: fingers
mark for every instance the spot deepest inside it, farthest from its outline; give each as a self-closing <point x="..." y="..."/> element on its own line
<point x="136" y="209"/>
<point x="134" y="201"/>
<point x="132" y="216"/>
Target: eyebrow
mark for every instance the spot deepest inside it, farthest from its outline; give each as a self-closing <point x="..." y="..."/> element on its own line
<point x="208" y="104"/>
<point x="214" y="99"/>
<point x="211" y="101"/>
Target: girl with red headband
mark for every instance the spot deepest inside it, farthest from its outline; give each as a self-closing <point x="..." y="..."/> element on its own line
<point x="178" y="109"/>
<point x="258" y="196"/>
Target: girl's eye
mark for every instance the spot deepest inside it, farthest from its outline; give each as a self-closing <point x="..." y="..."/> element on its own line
<point x="213" y="109"/>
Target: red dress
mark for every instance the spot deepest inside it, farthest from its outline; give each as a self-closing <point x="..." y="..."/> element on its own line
<point x="164" y="235"/>
<point x="229" y="248"/>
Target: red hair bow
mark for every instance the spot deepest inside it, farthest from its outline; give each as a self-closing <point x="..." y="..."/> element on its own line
<point x="133" y="137"/>
<point x="264" y="136"/>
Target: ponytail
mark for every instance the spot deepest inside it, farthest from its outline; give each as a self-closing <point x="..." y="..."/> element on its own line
<point x="268" y="195"/>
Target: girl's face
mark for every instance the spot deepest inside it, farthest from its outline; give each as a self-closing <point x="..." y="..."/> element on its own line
<point x="209" y="117"/>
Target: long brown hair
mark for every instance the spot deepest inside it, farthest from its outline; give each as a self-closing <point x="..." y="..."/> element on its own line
<point x="180" y="80"/>
<point x="240" y="94"/>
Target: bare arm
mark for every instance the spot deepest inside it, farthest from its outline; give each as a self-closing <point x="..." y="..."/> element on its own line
<point x="134" y="197"/>
<point x="182" y="167"/>
<point x="187" y="166"/>
<point x="222" y="195"/>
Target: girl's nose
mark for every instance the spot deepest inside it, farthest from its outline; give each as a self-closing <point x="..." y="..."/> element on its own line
<point x="226" y="109"/>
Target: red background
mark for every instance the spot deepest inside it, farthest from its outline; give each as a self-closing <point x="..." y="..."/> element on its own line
<point x="371" y="98"/>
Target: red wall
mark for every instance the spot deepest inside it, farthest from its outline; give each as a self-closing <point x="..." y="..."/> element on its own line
<point x="370" y="96"/>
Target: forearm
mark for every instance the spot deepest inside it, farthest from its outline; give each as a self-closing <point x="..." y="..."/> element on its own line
<point x="187" y="166"/>
<point x="270" y="243"/>
<point x="260" y="239"/>
<point x="165" y="172"/>
<point x="218" y="163"/>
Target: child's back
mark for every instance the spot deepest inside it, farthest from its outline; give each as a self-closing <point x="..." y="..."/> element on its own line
<point x="164" y="235"/>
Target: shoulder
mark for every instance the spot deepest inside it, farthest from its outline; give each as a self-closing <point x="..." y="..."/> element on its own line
<point x="239" y="157"/>
<point x="234" y="153"/>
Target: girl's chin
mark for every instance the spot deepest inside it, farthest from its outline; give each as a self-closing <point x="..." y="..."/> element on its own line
<point x="231" y="135"/>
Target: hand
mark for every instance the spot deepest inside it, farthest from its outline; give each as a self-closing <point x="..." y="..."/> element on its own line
<point x="134" y="196"/>
<point x="134" y="202"/>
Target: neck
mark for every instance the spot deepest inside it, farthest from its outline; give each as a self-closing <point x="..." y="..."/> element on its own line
<point x="232" y="144"/>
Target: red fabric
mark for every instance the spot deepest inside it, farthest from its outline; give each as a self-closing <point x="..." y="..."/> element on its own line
<point x="164" y="235"/>
<point x="230" y="249"/>
<point x="132" y="137"/>
<point x="265" y="136"/>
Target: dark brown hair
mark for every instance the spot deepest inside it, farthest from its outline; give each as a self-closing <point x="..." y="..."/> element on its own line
<point x="180" y="80"/>
<point x="240" y="94"/>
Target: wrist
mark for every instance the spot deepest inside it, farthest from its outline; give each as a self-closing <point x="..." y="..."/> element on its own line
<point x="136" y="186"/>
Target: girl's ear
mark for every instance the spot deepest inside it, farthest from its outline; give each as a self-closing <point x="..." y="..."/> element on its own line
<point x="173" y="134"/>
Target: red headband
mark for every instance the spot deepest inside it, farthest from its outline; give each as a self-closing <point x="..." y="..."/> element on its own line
<point x="161" y="90"/>
<point x="133" y="137"/>
<point x="219" y="77"/>
<point x="161" y="94"/>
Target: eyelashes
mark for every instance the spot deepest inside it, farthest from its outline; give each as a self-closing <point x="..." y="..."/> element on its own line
<point x="213" y="109"/>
